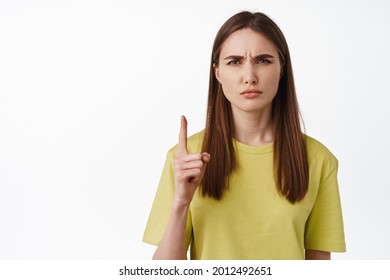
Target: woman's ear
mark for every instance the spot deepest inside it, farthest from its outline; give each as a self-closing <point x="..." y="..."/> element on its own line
<point x="216" y="71"/>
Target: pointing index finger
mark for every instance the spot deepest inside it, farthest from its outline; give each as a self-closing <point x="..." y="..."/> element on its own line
<point x="182" y="148"/>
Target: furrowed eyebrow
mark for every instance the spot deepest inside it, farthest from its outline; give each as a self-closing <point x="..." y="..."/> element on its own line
<point x="234" y="57"/>
<point x="257" y="57"/>
<point x="263" y="56"/>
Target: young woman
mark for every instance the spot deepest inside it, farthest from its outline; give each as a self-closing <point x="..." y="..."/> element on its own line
<point x="251" y="185"/>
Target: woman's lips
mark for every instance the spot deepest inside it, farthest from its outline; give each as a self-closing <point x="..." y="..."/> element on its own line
<point x="251" y="93"/>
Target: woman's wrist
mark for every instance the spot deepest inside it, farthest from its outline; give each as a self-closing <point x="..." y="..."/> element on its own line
<point x="180" y="205"/>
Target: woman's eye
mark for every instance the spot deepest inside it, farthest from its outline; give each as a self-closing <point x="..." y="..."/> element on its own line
<point x="233" y="62"/>
<point x="263" y="61"/>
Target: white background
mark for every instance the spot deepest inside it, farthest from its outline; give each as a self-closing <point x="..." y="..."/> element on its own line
<point x="91" y="94"/>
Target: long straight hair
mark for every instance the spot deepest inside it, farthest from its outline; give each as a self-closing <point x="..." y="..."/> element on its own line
<point x="289" y="147"/>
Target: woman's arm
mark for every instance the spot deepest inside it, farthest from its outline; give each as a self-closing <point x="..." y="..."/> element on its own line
<point x="316" y="255"/>
<point x="173" y="242"/>
<point x="189" y="170"/>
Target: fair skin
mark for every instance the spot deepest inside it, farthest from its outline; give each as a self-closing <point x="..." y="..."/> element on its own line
<point x="249" y="61"/>
<point x="249" y="71"/>
<point x="189" y="169"/>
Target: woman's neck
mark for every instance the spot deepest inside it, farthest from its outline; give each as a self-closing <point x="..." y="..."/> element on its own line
<point x="253" y="128"/>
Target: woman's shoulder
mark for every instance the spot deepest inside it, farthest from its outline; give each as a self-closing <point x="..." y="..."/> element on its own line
<point x="319" y="154"/>
<point x="315" y="146"/>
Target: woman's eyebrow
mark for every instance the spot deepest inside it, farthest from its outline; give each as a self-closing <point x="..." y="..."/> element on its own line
<point x="263" y="56"/>
<point x="240" y="57"/>
<point x="235" y="57"/>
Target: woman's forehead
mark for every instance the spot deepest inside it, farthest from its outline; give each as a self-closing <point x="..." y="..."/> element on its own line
<point x="247" y="42"/>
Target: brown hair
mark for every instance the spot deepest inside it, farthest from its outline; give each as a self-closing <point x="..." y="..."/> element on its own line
<point x="289" y="147"/>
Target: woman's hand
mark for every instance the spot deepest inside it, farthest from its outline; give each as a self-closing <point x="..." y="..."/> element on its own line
<point x="188" y="168"/>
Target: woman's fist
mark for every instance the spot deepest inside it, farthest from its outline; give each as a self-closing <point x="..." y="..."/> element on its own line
<point x="188" y="168"/>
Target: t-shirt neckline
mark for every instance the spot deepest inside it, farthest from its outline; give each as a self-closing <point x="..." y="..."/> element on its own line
<point x="253" y="149"/>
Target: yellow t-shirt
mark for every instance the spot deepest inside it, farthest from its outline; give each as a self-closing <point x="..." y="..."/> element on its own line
<point x="253" y="221"/>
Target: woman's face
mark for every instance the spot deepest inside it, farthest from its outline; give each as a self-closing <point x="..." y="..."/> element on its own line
<point x="249" y="71"/>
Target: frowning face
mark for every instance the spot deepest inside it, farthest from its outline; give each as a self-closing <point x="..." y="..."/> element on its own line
<point x="249" y="71"/>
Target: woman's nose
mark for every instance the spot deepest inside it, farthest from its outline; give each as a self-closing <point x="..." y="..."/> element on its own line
<point x="250" y="76"/>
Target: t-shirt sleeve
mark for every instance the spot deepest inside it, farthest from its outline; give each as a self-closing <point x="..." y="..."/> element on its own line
<point x="324" y="227"/>
<point x="161" y="208"/>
